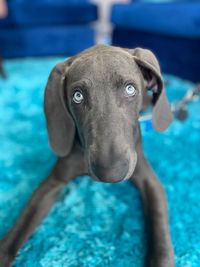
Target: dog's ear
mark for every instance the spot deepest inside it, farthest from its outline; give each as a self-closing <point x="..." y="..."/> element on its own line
<point x="60" y="125"/>
<point x="161" y="115"/>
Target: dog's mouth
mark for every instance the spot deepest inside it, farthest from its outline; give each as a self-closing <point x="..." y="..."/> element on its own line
<point x="114" y="173"/>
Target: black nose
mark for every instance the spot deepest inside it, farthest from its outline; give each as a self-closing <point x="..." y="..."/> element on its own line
<point x="111" y="174"/>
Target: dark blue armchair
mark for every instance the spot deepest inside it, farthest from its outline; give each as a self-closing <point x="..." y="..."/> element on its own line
<point x="47" y="27"/>
<point x="170" y="30"/>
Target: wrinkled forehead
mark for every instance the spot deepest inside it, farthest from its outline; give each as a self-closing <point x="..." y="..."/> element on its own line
<point x="103" y="67"/>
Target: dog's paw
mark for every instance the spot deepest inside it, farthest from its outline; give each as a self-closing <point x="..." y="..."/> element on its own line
<point x="160" y="260"/>
<point x="5" y="260"/>
<point x="155" y="262"/>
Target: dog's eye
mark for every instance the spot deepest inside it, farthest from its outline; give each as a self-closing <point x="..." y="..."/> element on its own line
<point x="130" y="90"/>
<point x="77" y="97"/>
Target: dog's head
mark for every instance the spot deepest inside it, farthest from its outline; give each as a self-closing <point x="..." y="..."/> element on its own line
<point x="98" y="94"/>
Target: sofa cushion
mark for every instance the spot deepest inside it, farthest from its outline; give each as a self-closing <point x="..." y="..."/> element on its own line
<point x="178" y="19"/>
<point x="48" y="12"/>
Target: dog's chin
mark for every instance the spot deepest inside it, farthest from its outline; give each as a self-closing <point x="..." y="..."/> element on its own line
<point x="114" y="178"/>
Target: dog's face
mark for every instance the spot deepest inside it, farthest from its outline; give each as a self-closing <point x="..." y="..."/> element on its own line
<point x="102" y="91"/>
<point x="104" y="96"/>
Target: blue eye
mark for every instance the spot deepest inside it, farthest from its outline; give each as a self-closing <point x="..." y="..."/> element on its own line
<point x="77" y="97"/>
<point x="130" y="90"/>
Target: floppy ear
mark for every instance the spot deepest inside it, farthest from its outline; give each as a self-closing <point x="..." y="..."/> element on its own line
<point x="60" y="126"/>
<point x="161" y="115"/>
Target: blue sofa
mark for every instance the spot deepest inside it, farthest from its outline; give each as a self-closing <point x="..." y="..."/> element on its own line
<point x="170" y="30"/>
<point x="47" y="27"/>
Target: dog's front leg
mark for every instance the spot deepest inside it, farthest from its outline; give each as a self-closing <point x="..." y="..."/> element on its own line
<point x="160" y="250"/>
<point x="39" y="204"/>
<point x="2" y="72"/>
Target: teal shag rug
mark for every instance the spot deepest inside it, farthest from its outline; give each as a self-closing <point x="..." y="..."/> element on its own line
<point x="93" y="224"/>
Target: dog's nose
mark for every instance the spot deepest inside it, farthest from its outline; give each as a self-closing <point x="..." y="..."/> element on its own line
<point x="111" y="174"/>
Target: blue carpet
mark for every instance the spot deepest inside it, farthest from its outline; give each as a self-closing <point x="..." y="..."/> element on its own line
<point x="92" y="224"/>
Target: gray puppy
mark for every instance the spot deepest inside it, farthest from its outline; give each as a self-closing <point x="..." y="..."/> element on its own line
<point x="92" y="104"/>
